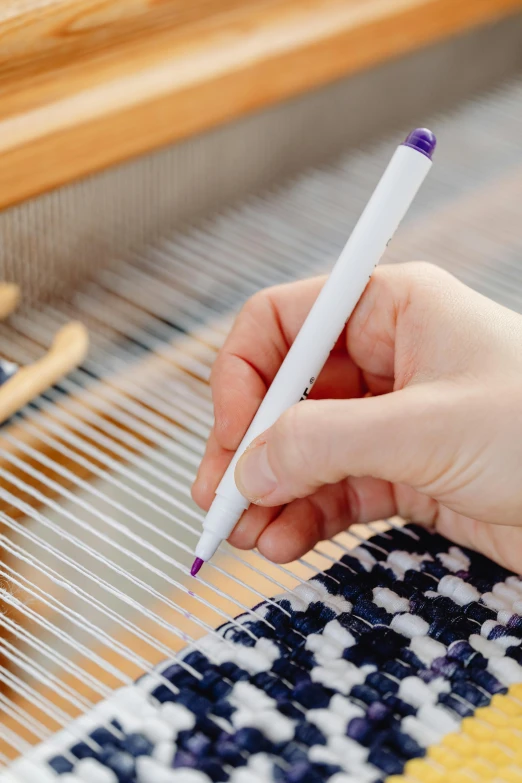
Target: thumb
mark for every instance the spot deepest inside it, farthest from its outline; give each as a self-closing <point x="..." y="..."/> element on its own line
<point x="409" y="437"/>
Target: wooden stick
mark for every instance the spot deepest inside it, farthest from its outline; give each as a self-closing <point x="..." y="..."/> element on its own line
<point x="67" y="351"/>
<point x="9" y="298"/>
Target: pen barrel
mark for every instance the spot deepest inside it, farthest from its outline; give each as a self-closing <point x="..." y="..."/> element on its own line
<point x="325" y="322"/>
<point x="339" y="296"/>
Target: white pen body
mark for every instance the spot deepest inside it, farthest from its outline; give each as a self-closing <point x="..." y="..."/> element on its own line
<point x="323" y="325"/>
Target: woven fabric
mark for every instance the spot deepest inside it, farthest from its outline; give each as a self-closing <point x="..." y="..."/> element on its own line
<point x="402" y="660"/>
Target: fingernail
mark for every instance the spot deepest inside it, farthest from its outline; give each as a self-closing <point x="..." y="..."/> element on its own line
<point x="254" y="476"/>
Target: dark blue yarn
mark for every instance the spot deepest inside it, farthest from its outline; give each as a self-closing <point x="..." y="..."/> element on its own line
<point x="197" y="704"/>
<point x="498" y="631"/>
<point x="229" y="753"/>
<point x="123" y="766"/>
<point x="462" y="652"/>
<point x="214" y="686"/>
<point x="104" y="736"/>
<point x="223" y="709"/>
<point x="471" y="694"/>
<point x="382" y="683"/>
<point x="208" y="726"/>
<point x="398" y="669"/>
<point x="82" y="751"/>
<point x="373" y="614"/>
<point x="60" y="764"/>
<point x="163" y="693"/>
<point x="312" y="695"/>
<point x="252" y="740"/>
<point x="444" y="667"/>
<point x="213" y="769"/>
<point x="405" y="745"/>
<point x="233" y="672"/>
<point x="365" y="693"/>
<point x="515" y="625"/>
<point x="479" y="613"/>
<point x="409" y="657"/>
<point x="361" y="730"/>
<point x="378" y="712"/>
<point x="515" y="653"/>
<point x="137" y="745"/>
<point x="198" y="744"/>
<point x="292" y="753"/>
<point x="184" y="759"/>
<point x="178" y="676"/>
<point x="456" y="705"/>
<point x="386" y="760"/>
<point x="309" y="735"/>
<point x="303" y="773"/>
<point x="488" y="681"/>
<point x="399" y="706"/>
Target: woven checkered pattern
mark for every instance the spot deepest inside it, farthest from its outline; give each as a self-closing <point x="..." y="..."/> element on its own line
<point x="350" y="677"/>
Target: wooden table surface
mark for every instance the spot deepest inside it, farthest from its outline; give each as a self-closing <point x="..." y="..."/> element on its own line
<point x="88" y="83"/>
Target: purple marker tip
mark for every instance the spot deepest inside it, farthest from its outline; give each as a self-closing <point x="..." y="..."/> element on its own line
<point x="196" y="565"/>
<point x="422" y="140"/>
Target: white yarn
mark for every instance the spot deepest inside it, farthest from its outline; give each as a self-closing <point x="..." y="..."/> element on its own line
<point x="330" y="644"/>
<point x="493" y="601"/>
<point x="338" y="634"/>
<point x="254" y="708"/>
<point x="507" y="591"/>
<point x="259" y="769"/>
<point x="315" y="591"/>
<point x="254" y="660"/>
<point x="245" y="695"/>
<point x="400" y="562"/>
<point x="516" y="583"/>
<point x="348" y="755"/>
<point x="177" y="716"/>
<point x="427" y="649"/>
<point x="415" y="692"/>
<point x="344" y="707"/>
<point x="91" y="771"/>
<point x="364" y="557"/>
<point x="157" y="730"/>
<point x="149" y="771"/>
<point x="341" y="675"/>
<point x="342" y="777"/>
<point x="506" y="670"/>
<point x="164" y="753"/>
<point x="488" y="647"/>
<point x="409" y="625"/>
<point x="459" y="591"/>
<point x="454" y="559"/>
<point x="27" y="771"/>
<point x="336" y="717"/>
<point x="390" y="601"/>
<point x="438" y="718"/>
<point x="421" y="733"/>
<point x="339" y="750"/>
<point x="327" y="722"/>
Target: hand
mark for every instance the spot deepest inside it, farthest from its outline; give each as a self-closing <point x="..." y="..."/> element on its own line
<point x="418" y="412"/>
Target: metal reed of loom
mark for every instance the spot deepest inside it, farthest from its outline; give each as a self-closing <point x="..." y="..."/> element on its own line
<point x="97" y="524"/>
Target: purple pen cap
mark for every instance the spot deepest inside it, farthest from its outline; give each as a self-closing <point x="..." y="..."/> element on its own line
<point x="422" y="140"/>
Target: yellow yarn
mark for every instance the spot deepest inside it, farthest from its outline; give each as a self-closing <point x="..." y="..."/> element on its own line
<point x="487" y="750"/>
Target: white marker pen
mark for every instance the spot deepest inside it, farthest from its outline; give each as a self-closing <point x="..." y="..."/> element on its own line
<point x="326" y="320"/>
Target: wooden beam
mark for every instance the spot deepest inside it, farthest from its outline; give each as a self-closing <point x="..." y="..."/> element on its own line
<point x="88" y="83"/>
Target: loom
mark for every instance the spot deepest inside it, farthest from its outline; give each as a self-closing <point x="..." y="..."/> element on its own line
<point x="160" y="164"/>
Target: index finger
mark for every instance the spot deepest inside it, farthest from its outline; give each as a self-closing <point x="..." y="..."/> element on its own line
<point x="253" y="352"/>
